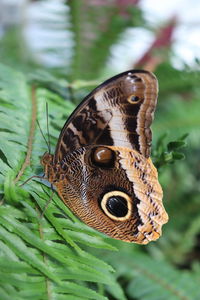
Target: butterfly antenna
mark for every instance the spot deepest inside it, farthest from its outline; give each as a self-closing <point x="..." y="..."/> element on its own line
<point x="43" y="135"/>
<point x="47" y="116"/>
<point x="30" y="178"/>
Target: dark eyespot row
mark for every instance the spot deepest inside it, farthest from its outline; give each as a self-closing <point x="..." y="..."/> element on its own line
<point x="116" y="204"/>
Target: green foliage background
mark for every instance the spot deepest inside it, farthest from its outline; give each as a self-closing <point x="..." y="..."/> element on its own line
<point x="56" y="256"/>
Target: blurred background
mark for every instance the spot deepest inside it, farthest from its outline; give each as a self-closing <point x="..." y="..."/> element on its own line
<point x="71" y="46"/>
<point x="56" y="34"/>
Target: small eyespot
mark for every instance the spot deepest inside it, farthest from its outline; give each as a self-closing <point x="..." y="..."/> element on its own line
<point x="102" y="157"/>
<point x="134" y="99"/>
<point x="117" y="205"/>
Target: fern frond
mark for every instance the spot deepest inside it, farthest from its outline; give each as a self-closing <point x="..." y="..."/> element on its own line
<point x="158" y="280"/>
<point x="45" y="256"/>
<point x="94" y="36"/>
<point x="153" y="279"/>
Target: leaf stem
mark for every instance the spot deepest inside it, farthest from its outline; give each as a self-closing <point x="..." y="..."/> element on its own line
<point x="31" y="135"/>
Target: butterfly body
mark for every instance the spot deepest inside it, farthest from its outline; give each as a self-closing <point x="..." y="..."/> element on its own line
<point x="101" y="167"/>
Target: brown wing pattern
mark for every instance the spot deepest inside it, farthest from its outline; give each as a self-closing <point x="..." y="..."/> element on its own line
<point x="119" y="112"/>
<point x="101" y="168"/>
<point x="83" y="186"/>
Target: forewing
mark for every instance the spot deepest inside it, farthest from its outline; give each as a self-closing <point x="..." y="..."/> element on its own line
<point x="119" y="112"/>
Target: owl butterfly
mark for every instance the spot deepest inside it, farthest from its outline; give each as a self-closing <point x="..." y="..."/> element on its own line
<point x="101" y="167"/>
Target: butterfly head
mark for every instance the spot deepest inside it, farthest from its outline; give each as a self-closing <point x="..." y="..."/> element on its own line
<point x="49" y="167"/>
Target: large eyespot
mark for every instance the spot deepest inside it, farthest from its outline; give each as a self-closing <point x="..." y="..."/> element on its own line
<point x="134" y="99"/>
<point x="117" y="205"/>
<point x="102" y="157"/>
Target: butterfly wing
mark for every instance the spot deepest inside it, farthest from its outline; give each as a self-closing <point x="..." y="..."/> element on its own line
<point x="101" y="167"/>
<point x="119" y="112"/>
<point x="114" y="190"/>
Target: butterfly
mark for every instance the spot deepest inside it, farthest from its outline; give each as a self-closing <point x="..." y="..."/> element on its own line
<point x="102" y="168"/>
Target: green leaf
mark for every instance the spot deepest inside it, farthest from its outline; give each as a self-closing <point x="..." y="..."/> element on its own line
<point x="46" y="253"/>
<point x="158" y="279"/>
<point x="168" y="154"/>
<point x="175" y="145"/>
<point x="178" y="156"/>
<point x="151" y="278"/>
